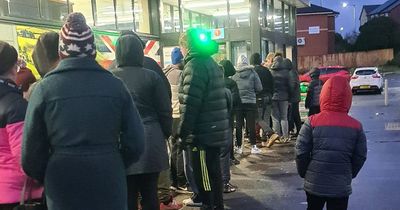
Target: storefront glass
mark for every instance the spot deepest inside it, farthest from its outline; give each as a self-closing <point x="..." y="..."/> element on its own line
<point x="142" y="16"/>
<point x="278" y="16"/>
<point x="84" y="7"/>
<point x="239" y="13"/>
<point x="204" y="14"/>
<point x="105" y="14"/>
<point x="20" y="8"/>
<point x="54" y="10"/>
<point x="169" y="11"/>
<point x="287" y="18"/>
<point x="124" y="14"/>
<point x="270" y="15"/>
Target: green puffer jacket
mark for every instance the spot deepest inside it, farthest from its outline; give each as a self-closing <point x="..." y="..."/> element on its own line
<point x="203" y="106"/>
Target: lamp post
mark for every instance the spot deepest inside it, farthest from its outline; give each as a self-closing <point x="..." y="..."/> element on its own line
<point x="345" y="5"/>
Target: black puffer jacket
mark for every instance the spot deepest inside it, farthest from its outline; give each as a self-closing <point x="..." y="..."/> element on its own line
<point x="331" y="147"/>
<point x="283" y="85"/>
<point x="203" y="106"/>
<point x="265" y="76"/>
<point x="295" y="97"/>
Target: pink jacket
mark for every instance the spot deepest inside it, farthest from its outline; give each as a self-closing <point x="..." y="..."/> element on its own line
<point x="11" y="175"/>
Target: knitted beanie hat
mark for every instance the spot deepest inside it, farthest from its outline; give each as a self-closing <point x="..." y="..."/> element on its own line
<point x="176" y="56"/>
<point x="76" y="38"/>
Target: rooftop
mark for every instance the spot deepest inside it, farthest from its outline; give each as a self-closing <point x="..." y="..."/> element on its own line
<point x="386" y="7"/>
<point x="315" y="9"/>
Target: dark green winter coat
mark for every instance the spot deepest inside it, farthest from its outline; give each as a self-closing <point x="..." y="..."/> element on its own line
<point x="283" y="84"/>
<point x="152" y="100"/>
<point x="81" y="131"/>
<point x="203" y="106"/>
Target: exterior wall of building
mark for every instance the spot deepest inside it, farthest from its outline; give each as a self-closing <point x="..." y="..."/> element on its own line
<point x="395" y="14"/>
<point x="315" y="44"/>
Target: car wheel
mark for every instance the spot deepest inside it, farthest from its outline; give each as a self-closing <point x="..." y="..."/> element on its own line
<point x="379" y="92"/>
<point x="354" y="92"/>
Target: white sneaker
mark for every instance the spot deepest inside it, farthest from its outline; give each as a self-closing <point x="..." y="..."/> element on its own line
<point x="255" y="150"/>
<point x="239" y="150"/>
<point x="191" y="203"/>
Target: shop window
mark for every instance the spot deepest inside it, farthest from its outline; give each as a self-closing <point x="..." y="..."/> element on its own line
<point x="105" y="14"/>
<point x="286" y="18"/>
<point x="142" y="16"/>
<point x="84" y="7"/>
<point x="124" y="10"/>
<point x="278" y="16"/>
<point x="270" y="15"/>
<point x="54" y="10"/>
<point x="20" y="8"/>
<point x="239" y="13"/>
<point x="169" y="11"/>
<point x="205" y="14"/>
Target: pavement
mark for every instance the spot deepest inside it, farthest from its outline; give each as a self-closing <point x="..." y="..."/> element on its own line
<point x="270" y="181"/>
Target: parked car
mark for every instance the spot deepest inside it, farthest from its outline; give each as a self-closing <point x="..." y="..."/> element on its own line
<point x="366" y="79"/>
<point x="327" y="72"/>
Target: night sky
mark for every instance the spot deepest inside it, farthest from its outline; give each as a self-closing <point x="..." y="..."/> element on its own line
<point x="345" y="19"/>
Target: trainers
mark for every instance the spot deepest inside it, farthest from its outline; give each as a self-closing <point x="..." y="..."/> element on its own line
<point x="255" y="150"/>
<point x="229" y="188"/>
<point x="191" y="203"/>
<point x="239" y="150"/>
<point x="173" y="205"/>
<point x="183" y="190"/>
<point x="264" y="144"/>
<point x="272" y="139"/>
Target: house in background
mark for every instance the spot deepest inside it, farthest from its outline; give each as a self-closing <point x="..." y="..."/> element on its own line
<point x="391" y="9"/>
<point x="365" y="15"/>
<point x="315" y="31"/>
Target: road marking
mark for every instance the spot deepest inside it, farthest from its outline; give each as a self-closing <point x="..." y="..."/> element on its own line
<point x="304" y="203"/>
<point x="392" y="126"/>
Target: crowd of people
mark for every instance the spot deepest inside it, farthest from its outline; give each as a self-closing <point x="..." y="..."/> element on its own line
<point x="131" y="136"/>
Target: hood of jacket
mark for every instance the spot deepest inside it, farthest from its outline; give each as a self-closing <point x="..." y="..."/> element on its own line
<point x="336" y="95"/>
<point x="255" y="59"/>
<point x="277" y="64"/>
<point x="198" y="48"/>
<point x="229" y="69"/>
<point x="129" y="51"/>
<point x="45" y="53"/>
<point x="245" y="71"/>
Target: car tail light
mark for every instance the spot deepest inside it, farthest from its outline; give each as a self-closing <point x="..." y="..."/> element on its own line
<point x="354" y="77"/>
<point x="376" y="76"/>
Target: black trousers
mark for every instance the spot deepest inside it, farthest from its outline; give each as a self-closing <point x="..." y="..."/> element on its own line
<point x="146" y="185"/>
<point x="314" y="110"/>
<point x="248" y="112"/>
<point x="318" y="203"/>
<point x="177" y="167"/>
<point x="207" y="173"/>
<point x="294" y="117"/>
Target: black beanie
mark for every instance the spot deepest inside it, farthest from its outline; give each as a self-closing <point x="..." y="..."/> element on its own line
<point x="8" y="57"/>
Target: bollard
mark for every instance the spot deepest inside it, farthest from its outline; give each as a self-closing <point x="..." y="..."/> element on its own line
<point x="386" y="93"/>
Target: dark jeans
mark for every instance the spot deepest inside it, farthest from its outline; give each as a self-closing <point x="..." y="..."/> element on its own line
<point x="318" y="203"/>
<point x="207" y="173"/>
<point x="314" y="110"/>
<point x="225" y="159"/>
<point x="294" y="117"/>
<point x="146" y="185"/>
<point x="177" y="168"/>
<point x="248" y="112"/>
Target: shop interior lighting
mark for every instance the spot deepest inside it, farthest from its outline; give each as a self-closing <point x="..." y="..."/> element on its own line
<point x="211" y="4"/>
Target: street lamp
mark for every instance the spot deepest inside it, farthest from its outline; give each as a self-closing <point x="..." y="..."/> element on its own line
<point x="345" y="5"/>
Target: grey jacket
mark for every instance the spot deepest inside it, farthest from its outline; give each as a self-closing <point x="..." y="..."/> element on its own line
<point x="249" y="84"/>
<point x="331" y="147"/>
<point x="283" y="84"/>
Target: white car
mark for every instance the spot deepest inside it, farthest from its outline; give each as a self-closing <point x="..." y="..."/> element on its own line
<point x="366" y="79"/>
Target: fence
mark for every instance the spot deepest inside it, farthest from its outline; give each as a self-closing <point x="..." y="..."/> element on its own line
<point x="350" y="60"/>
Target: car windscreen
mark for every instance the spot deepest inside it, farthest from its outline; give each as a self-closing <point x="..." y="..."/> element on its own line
<point x="365" y="72"/>
<point x="331" y="70"/>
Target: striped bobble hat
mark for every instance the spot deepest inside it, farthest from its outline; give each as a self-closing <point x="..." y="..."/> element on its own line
<point x="76" y="38"/>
